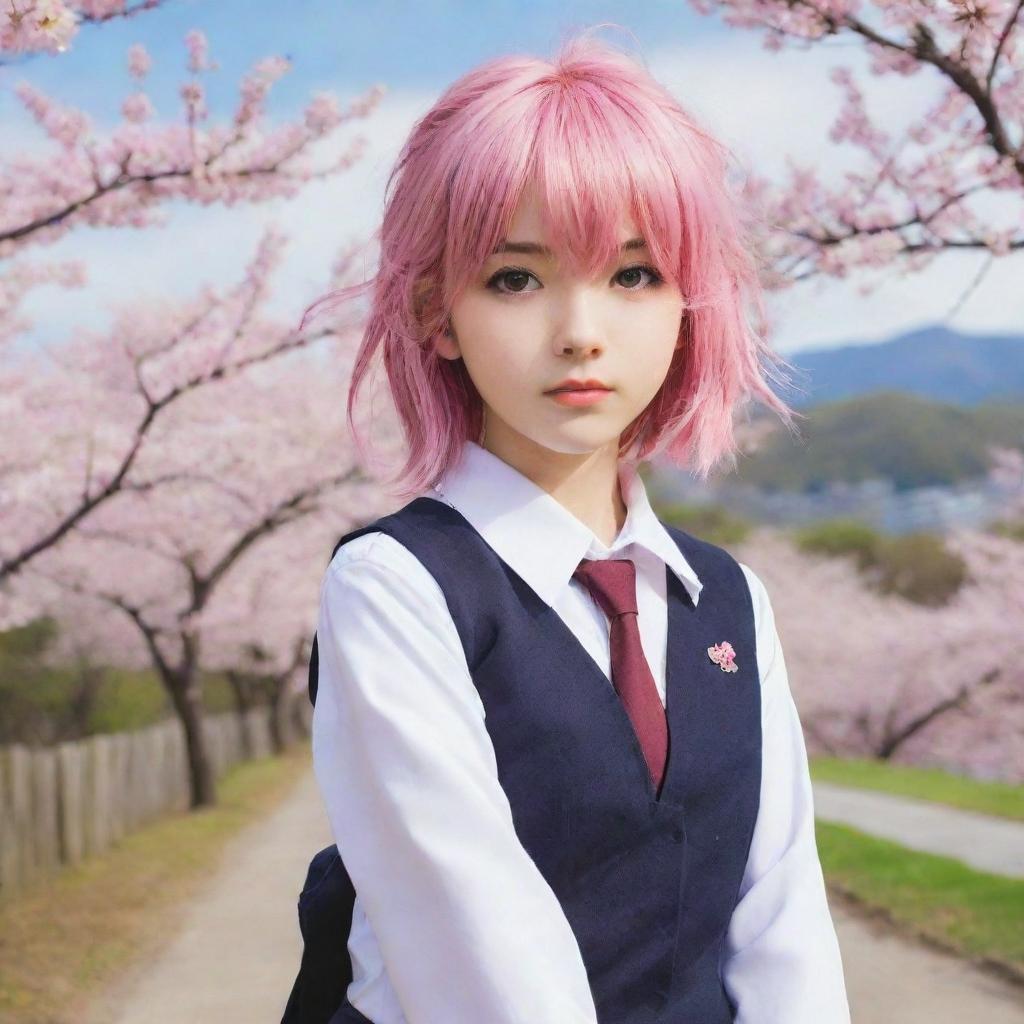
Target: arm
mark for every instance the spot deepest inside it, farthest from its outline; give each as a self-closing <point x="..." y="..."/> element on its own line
<point x="781" y="962"/>
<point x="468" y="928"/>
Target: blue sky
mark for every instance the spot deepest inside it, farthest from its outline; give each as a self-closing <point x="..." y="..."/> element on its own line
<point x="341" y="46"/>
<point x="766" y="106"/>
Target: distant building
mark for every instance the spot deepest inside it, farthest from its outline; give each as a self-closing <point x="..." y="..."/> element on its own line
<point x="970" y="503"/>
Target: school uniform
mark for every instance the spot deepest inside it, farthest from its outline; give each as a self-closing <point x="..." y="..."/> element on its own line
<point x="502" y="854"/>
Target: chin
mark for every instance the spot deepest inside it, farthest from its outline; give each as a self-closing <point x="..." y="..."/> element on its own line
<point x="580" y="442"/>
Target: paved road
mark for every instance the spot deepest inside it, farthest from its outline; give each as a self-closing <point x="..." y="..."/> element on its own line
<point x="234" y="957"/>
<point x="984" y="842"/>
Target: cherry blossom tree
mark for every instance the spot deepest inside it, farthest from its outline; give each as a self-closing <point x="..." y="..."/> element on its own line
<point x="248" y="480"/>
<point x="82" y="413"/>
<point x="125" y="180"/>
<point x="877" y="676"/>
<point x="1006" y="468"/>
<point x="128" y="177"/>
<point x="954" y="180"/>
<point x="168" y="481"/>
<point x="258" y="630"/>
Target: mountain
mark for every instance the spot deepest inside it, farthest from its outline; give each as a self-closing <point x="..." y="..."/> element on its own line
<point x="935" y="363"/>
<point x="912" y="441"/>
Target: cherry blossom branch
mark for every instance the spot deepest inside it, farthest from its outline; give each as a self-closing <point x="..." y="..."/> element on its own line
<point x="204" y="363"/>
<point x="120" y="180"/>
<point x="892" y="741"/>
<point x="30" y="27"/>
<point x="912" y="205"/>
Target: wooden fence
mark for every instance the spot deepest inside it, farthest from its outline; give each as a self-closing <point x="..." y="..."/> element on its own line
<point x="61" y="804"/>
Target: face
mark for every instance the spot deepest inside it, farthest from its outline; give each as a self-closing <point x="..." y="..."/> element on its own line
<point x="524" y="325"/>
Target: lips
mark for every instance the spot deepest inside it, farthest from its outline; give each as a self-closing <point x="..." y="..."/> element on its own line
<point x="579" y="385"/>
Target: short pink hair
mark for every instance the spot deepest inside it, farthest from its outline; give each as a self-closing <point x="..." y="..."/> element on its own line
<point x="594" y="131"/>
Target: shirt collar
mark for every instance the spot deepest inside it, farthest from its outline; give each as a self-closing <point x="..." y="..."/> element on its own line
<point x="540" y="538"/>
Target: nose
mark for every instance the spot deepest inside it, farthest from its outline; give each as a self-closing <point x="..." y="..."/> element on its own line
<point x="578" y="328"/>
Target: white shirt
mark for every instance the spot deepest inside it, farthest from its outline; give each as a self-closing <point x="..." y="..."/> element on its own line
<point x="453" y="922"/>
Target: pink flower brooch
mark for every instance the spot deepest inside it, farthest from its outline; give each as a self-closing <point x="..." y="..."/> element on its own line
<point x="723" y="656"/>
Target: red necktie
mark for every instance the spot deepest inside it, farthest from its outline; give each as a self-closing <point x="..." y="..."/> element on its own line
<point x="612" y="583"/>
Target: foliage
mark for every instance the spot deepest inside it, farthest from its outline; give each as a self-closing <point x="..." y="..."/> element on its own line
<point x="909" y="440"/>
<point x="841" y="537"/>
<point x="916" y="566"/>
<point x="878" y="676"/>
<point x="710" y="522"/>
<point x="42" y="703"/>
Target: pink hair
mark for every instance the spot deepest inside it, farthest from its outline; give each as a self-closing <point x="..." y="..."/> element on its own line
<point x="594" y="130"/>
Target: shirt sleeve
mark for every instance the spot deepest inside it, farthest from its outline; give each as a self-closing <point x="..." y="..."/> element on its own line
<point x="781" y="962"/>
<point x="468" y="928"/>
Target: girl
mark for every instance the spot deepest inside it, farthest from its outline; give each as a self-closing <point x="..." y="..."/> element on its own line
<point x="554" y="735"/>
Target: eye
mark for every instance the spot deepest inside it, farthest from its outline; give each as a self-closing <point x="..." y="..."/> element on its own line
<point x="515" y="276"/>
<point x="641" y="268"/>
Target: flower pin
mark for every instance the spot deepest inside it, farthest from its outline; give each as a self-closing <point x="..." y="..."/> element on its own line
<point x="723" y="656"/>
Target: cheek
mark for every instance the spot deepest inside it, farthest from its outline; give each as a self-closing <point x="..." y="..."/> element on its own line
<point x="495" y="342"/>
<point x="652" y="340"/>
<point x="494" y="356"/>
<point x="654" y="330"/>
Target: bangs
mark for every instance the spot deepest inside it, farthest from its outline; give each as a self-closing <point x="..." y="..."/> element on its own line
<point x="593" y="155"/>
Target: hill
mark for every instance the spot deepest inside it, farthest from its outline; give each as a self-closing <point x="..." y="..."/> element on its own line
<point x="933" y="363"/>
<point x="913" y="441"/>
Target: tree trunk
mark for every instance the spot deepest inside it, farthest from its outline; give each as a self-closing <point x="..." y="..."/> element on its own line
<point x="241" y="687"/>
<point x="83" y="701"/>
<point x="296" y="711"/>
<point x="186" y="694"/>
<point x="281" y="732"/>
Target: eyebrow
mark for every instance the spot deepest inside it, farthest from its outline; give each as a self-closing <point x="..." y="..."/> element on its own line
<point x="534" y="249"/>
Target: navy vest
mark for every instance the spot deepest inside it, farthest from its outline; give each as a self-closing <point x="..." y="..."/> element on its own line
<point x="648" y="881"/>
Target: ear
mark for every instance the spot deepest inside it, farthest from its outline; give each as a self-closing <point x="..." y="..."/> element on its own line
<point x="446" y="344"/>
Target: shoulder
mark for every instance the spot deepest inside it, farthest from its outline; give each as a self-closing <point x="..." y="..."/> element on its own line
<point x="375" y="548"/>
<point x="376" y="596"/>
<point x="376" y="567"/>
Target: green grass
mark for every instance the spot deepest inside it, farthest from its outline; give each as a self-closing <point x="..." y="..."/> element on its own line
<point x="74" y="934"/>
<point x="976" y="914"/>
<point x="998" y="798"/>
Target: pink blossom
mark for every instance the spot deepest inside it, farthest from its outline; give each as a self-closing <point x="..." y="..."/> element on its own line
<point x="137" y="108"/>
<point x="924" y="203"/>
<point x="139" y="60"/>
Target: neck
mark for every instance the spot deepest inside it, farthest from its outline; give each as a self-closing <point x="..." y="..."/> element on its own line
<point x="586" y="484"/>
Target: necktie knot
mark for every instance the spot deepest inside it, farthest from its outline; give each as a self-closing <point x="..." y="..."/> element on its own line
<point x="612" y="582"/>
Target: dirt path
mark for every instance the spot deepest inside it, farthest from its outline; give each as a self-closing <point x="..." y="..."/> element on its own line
<point x="234" y="958"/>
<point x="235" y="955"/>
<point x="983" y="841"/>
